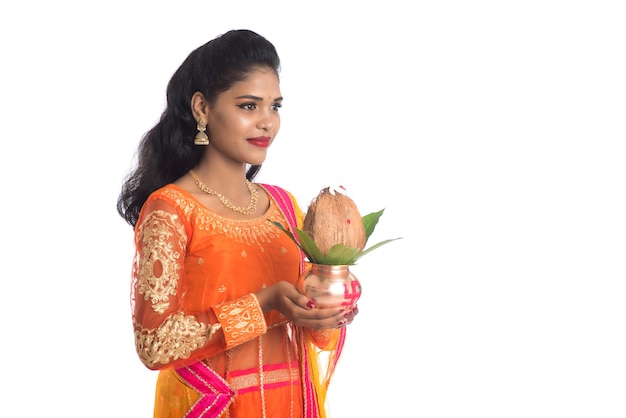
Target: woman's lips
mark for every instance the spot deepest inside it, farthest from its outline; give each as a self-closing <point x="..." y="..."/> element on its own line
<point x="261" y="141"/>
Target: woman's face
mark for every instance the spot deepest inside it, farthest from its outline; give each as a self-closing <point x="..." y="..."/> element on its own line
<point x="244" y="120"/>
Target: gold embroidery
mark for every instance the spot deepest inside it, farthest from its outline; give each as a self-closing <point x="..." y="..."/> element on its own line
<point x="200" y="260"/>
<point x="283" y="250"/>
<point x="241" y="319"/>
<point x="244" y="254"/>
<point x="250" y="380"/>
<point x="222" y="288"/>
<point x="254" y="231"/>
<point x="160" y="251"/>
<point x="174" y="339"/>
<point x="183" y="202"/>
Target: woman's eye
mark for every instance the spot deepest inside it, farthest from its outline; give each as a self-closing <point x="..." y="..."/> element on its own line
<point x="248" y="106"/>
<point x="277" y="106"/>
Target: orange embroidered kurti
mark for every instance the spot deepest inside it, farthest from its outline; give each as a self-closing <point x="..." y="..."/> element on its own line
<point x="194" y="277"/>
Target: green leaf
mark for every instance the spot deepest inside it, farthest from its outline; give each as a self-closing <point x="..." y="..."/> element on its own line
<point x="286" y="231"/>
<point x="370" y="221"/>
<point x="373" y="247"/>
<point x="305" y="243"/>
<point x="339" y="254"/>
<point x="309" y="247"/>
<point x="342" y="255"/>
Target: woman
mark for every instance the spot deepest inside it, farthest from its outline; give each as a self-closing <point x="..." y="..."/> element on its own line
<point x="214" y="306"/>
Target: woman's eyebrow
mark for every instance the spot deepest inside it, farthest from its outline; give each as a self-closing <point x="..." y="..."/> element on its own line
<point x="257" y="98"/>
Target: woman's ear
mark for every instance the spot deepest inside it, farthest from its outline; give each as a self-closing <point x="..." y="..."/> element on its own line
<point x="199" y="106"/>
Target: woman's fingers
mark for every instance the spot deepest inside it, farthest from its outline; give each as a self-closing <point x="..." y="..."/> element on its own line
<point x="324" y="318"/>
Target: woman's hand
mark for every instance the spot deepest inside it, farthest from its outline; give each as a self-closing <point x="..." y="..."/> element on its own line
<point x="298" y="308"/>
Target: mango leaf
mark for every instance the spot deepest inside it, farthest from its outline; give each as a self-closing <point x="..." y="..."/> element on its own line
<point x="309" y="247"/>
<point x="286" y="231"/>
<point x="341" y="255"/>
<point x="306" y="244"/>
<point x="370" y="221"/>
<point x="373" y="247"/>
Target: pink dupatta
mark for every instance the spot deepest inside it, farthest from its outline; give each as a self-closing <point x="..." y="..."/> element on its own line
<point x="314" y="385"/>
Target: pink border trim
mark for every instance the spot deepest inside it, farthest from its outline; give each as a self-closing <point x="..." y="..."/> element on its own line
<point x="282" y="199"/>
<point x="215" y="394"/>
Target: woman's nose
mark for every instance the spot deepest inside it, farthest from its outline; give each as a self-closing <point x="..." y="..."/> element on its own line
<point x="268" y="120"/>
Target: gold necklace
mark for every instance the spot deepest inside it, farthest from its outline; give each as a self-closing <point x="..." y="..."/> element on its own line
<point x="248" y="210"/>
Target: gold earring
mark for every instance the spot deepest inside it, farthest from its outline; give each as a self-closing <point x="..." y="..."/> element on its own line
<point x="201" y="136"/>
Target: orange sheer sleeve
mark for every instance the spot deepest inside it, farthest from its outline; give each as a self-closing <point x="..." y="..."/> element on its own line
<point x="167" y="334"/>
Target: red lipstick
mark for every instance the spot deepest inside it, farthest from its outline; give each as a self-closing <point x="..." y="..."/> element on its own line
<point x="261" y="141"/>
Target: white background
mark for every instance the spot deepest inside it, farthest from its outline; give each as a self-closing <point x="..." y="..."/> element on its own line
<point x="492" y="132"/>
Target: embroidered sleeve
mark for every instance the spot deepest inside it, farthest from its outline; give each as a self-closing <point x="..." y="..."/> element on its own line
<point x="164" y="332"/>
<point x="174" y="339"/>
<point x="160" y="241"/>
<point x="241" y="319"/>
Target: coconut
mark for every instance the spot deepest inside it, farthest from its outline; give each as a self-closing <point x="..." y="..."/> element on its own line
<point x="333" y="218"/>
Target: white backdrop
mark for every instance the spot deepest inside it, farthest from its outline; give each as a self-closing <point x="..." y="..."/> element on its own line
<point x="491" y="132"/>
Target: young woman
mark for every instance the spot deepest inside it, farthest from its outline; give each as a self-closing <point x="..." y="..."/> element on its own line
<point x="214" y="306"/>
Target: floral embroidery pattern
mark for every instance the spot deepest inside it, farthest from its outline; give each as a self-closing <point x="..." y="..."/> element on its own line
<point x="174" y="339"/>
<point x="159" y="265"/>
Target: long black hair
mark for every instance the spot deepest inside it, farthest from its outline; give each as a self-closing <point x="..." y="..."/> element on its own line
<point x="166" y="152"/>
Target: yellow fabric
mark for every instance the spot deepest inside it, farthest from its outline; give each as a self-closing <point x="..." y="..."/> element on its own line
<point x="321" y="347"/>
